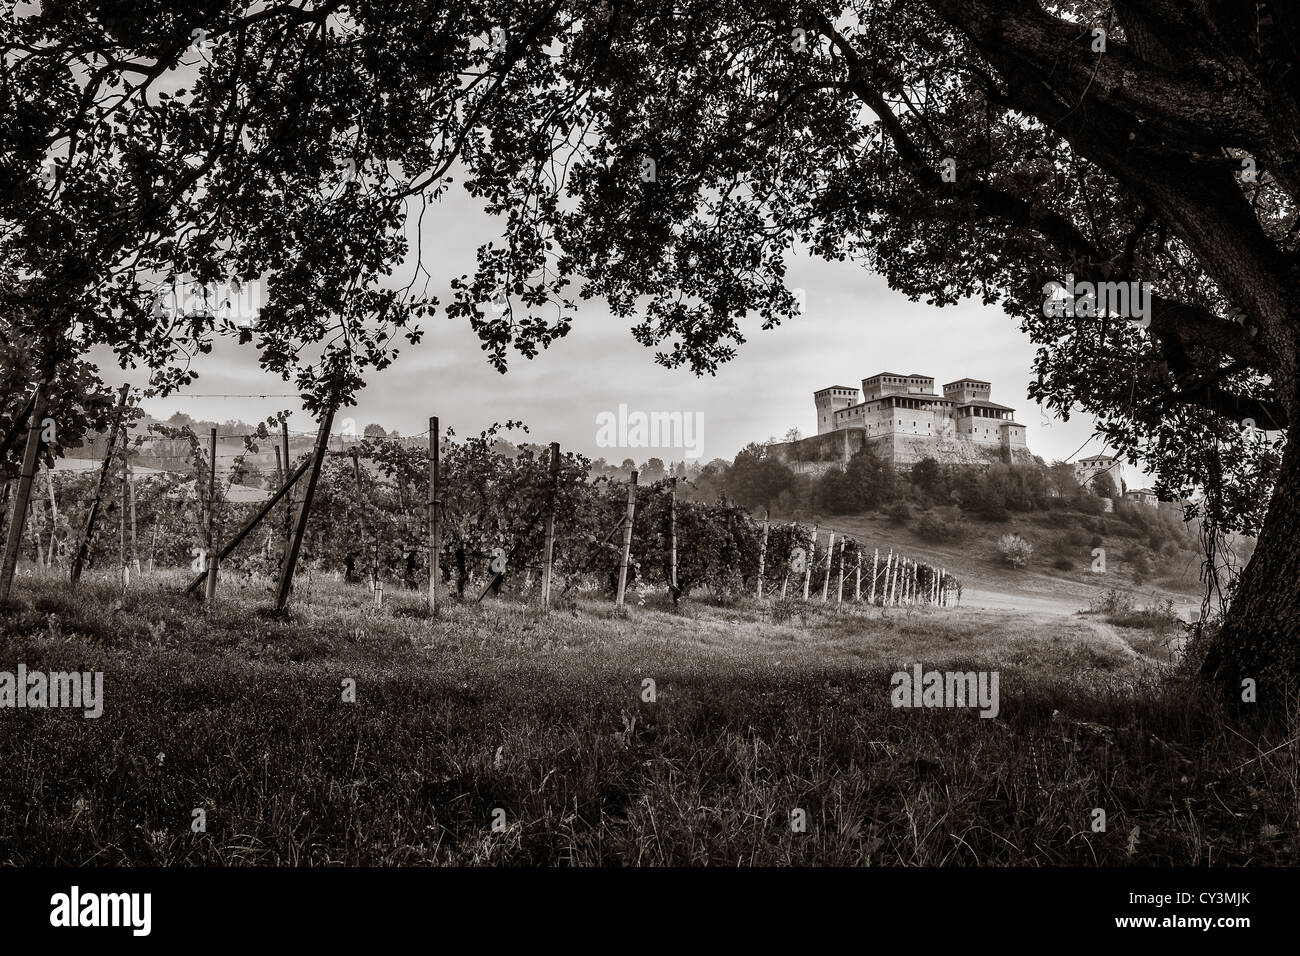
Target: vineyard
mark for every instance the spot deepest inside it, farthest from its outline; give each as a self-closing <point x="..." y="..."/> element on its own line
<point x="498" y="518"/>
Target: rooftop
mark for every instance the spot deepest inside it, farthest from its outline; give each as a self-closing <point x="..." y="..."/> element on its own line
<point x="973" y="381"/>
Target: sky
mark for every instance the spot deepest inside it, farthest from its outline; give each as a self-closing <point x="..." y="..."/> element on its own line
<point x="854" y="326"/>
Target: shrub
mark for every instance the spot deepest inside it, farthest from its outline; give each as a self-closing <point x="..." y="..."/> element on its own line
<point x="1112" y="603"/>
<point x="1063" y="564"/>
<point x="1015" y="550"/>
<point x="899" y="512"/>
<point x="1095" y="541"/>
<point x="934" y="527"/>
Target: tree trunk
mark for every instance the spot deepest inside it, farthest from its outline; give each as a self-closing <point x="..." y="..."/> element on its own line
<point x="1260" y="639"/>
<point x="14" y="531"/>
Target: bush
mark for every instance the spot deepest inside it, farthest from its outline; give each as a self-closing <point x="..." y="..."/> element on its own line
<point x="1063" y="564"/>
<point x="1112" y="603"/>
<point x="1015" y="550"/>
<point x="899" y="512"/>
<point x="935" y="528"/>
<point x="1095" y="541"/>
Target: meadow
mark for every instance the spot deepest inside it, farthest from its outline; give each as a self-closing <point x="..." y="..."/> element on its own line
<point x="493" y="734"/>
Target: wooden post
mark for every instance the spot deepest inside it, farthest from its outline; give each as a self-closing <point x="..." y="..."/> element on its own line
<point x="89" y="533"/>
<point x="812" y="550"/>
<point x="762" y="553"/>
<point x="262" y="512"/>
<point x="548" y="555"/>
<point x="830" y="559"/>
<point x="874" y="559"/>
<point x="211" y="592"/>
<point x="304" y="507"/>
<point x="857" y="587"/>
<point x="288" y="502"/>
<point x="627" y="539"/>
<point x="54" y="519"/>
<point x="153" y="545"/>
<point x="435" y="516"/>
<point x="893" y="583"/>
<point x="884" y="585"/>
<point x="374" y="562"/>
<point x="130" y="487"/>
<point x="18" y="517"/>
<point x="839" y="596"/>
<point x="672" y="537"/>
<point x="123" y="559"/>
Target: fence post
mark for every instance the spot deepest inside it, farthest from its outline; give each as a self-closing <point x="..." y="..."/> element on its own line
<point x="550" y="524"/>
<point x="857" y="587"/>
<point x="830" y="559"/>
<point x="288" y="501"/>
<point x="672" y="535"/>
<point x="130" y="484"/>
<point x="435" y="516"/>
<point x="122" y="505"/>
<point x="304" y="508"/>
<point x="839" y="595"/>
<point x="812" y="552"/>
<point x="54" y="518"/>
<point x="762" y="552"/>
<point x="875" y="557"/>
<point x="266" y="508"/>
<point x="627" y="540"/>
<point x="211" y="591"/>
<point x="14" y="533"/>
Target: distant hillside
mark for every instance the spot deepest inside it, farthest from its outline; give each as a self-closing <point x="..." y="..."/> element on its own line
<point x="1153" y="555"/>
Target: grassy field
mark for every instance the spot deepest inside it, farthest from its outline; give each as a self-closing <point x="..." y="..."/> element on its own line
<point x="496" y="712"/>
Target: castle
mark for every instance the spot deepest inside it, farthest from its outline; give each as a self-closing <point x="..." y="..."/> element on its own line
<point x="904" y="420"/>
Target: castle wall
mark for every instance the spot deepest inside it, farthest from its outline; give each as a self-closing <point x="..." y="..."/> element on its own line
<point x="814" y="455"/>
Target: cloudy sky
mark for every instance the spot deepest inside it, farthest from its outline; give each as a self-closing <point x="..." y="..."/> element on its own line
<point x="854" y="326"/>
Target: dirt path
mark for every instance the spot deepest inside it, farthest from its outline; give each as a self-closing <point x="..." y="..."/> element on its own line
<point x="1060" y="604"/>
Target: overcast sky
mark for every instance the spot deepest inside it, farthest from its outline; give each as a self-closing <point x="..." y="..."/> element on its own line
<point x="854" y="326"/>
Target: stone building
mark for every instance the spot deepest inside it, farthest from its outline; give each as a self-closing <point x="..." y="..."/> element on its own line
<point x="905" y="420"/>
<point x="1143" y="496"/>
<point x="1086" y="469"/>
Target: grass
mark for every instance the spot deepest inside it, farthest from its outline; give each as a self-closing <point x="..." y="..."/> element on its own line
<point x="758" y="710"/>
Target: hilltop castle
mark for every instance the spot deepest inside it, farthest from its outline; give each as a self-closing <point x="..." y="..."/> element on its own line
<point x="904" y="420"/>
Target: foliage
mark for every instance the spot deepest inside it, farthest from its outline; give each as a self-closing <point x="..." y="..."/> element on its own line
<point x="1015" y="550"/>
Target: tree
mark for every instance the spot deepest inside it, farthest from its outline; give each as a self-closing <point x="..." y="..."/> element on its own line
<point x="1103" y="485"/>
<point x="162" y="160"/>
<point x="374" y="431"/>
<point x="756" y="479"/>
<point x="961" y="148"/>
<point x="926" y="475"/>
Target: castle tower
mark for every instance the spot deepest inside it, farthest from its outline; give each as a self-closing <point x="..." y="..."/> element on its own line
<point x="829" y="401"/>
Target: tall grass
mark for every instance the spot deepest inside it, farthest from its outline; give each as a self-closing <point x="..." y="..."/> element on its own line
<point x="495" y="707"/>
